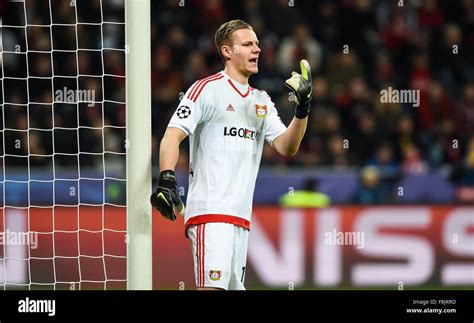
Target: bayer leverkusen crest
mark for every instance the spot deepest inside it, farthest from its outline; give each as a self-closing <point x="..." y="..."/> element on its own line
<point x="261" y="111"/>
<point x="215" y="275"/>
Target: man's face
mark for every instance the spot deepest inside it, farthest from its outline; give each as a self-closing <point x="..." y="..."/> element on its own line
<point x="244" y="51"/>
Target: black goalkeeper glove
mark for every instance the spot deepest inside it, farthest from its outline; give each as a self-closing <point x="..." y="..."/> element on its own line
<point x="302" y="87"/>
<point x="165" y="198"/>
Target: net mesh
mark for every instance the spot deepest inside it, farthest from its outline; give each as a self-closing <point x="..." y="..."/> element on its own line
<point x="62" y="211"/>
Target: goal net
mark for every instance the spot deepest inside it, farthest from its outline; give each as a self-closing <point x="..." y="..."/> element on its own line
<point x="63" y="157"/>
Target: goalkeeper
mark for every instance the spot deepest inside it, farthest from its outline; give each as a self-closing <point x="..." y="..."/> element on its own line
<point x="227" y="122"/>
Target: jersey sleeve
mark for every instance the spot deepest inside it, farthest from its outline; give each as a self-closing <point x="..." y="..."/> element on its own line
<point x="273" y="124"/>
<point x="190" y="111"/>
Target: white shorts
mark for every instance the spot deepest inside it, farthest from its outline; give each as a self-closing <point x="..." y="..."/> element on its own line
<point x="220" y="254"/>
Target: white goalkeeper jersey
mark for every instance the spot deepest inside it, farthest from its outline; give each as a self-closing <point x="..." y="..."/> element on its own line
<point x="227" y="123"/>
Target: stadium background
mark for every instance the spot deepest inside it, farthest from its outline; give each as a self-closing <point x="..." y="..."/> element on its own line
<point x="356" y="49"/>
<point x="390" y="146"/>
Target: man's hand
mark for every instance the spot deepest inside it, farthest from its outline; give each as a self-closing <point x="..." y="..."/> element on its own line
<point x="165" y="198"/>
<point x="302" y="87"/>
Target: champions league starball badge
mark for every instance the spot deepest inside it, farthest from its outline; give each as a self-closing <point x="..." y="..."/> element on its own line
<point x="183" y="112"/>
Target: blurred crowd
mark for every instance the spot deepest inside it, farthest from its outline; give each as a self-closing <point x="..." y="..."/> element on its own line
<point x="356" y="49"/>
<point x="66" y="46"/>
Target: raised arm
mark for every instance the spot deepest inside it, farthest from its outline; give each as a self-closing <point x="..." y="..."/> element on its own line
<point x="288" y="143"/>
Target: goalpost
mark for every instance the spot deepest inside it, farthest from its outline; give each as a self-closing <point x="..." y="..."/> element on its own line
<point x="75" y="136"/>
<point x="138" y="61"/>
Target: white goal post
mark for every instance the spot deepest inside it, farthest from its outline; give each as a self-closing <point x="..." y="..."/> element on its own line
<point x="138" y="144"/>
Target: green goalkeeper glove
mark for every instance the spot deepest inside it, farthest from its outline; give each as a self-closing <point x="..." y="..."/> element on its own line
<point x="165" y="198"/>
<point x="302" y="87"/>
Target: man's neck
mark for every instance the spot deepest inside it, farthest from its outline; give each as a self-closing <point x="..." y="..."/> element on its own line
<point x="236" y="76"/>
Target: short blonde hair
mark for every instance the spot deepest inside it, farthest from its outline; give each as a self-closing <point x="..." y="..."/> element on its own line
<point x="224" y="34"/>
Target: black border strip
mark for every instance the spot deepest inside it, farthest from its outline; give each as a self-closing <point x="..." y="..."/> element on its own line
<point x="315" y="306"/>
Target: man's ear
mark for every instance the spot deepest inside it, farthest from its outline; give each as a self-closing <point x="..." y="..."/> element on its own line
<point x="226" y="51"/>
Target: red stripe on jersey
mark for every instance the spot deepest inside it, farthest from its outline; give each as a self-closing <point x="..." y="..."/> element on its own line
<point x="198" y="247"/>
<point x="220" y="218"/>
<point x="236" y="89"/>
<point x="202" y="255"/>
<point x="201" y="87"/>
<point x="196" y="85"/>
